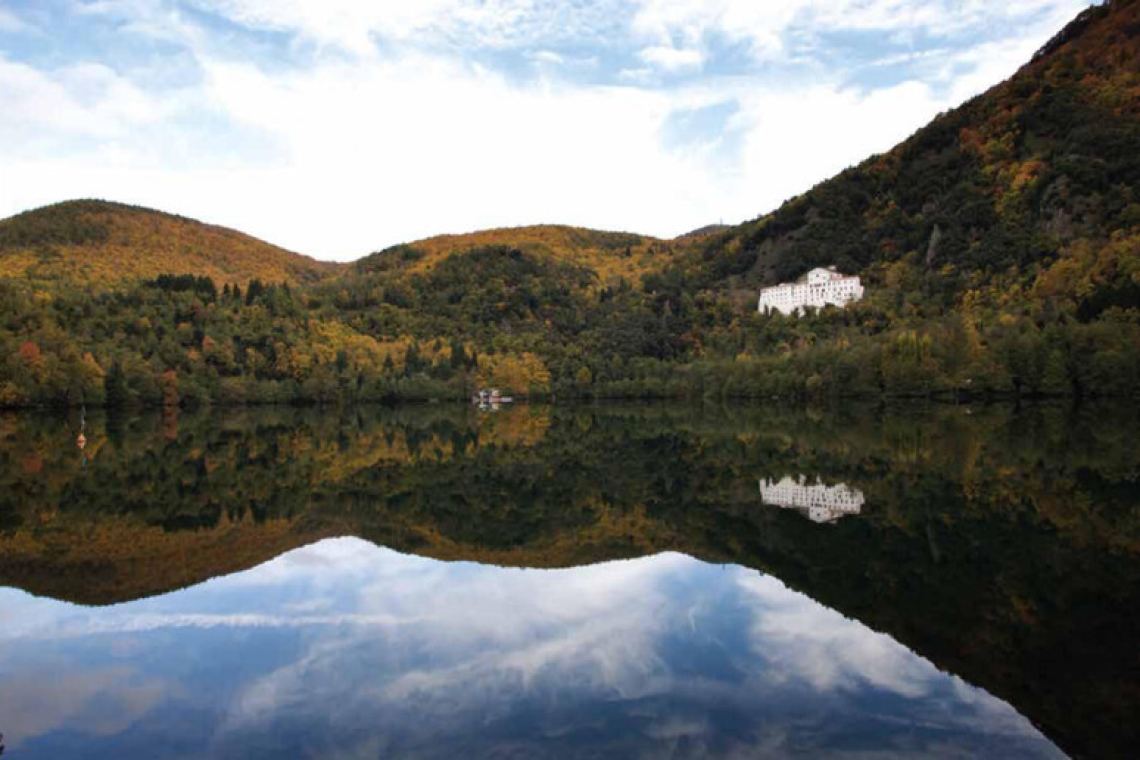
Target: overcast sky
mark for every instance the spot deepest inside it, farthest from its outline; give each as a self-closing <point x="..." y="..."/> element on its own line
<point x="340" y="127"/>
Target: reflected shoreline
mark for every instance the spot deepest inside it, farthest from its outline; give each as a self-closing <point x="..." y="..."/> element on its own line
<point x="1044" y="499"/>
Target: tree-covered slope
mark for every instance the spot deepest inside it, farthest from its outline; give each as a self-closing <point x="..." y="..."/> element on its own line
<point x="611" y="256"/>
<point x="1029" y="176"/>
<point x="108" y="243"/>
<point x="1000" y="247"/>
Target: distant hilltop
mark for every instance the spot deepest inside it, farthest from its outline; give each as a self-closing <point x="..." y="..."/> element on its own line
<point x="103" y="242"/>
<point x="708" y="229"/>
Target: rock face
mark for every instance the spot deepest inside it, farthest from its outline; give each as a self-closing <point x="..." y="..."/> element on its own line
<point x="932" y="248"/>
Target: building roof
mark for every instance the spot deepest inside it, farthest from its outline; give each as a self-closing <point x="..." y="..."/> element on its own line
<point x="802" y="280"/>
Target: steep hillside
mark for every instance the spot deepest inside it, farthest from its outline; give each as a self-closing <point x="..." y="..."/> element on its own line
<point x="1028" y="178"/>
<point x="609" y="255"/>
<point x="102" y="242"/>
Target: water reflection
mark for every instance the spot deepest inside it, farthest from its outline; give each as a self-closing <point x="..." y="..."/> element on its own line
<point x="818" y="502"/>
<point x="345" y="649"/>
<point x="1002" y="546"/>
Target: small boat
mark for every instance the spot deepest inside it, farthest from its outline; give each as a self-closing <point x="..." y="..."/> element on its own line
<point x="491" y="397"/>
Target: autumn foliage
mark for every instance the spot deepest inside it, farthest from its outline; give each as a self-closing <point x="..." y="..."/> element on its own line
<point x="999" y="245"/>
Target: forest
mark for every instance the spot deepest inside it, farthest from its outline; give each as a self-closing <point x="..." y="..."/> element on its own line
<point x="999" y="245"/>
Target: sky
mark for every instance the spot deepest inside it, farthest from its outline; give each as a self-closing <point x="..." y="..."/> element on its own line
<point x="337" y="128"/>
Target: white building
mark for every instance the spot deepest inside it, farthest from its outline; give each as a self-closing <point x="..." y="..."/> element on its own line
<point x="821" y="504"/>
<point x="819" y="288"/>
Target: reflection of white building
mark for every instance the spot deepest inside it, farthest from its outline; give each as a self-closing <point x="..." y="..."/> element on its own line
<point x="820" y="503"/>
<point x="820" y="288"/>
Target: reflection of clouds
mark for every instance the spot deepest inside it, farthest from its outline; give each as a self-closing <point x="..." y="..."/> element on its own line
<point x="670" y="728"/>
<point x="479" y="637"/>
<point x="805" y="640"/>
<point x="504" y="606"/>
<point x="477" y="642"/>
<point x="24" y="614"/>
<point x="101" y="702"/>
<point x="141" y="623"/>
<point x="663" y="655"/>
<point x="802" y="640"/>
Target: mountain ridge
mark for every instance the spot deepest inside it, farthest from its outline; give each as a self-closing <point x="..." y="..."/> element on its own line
<point x="80" y="228"/>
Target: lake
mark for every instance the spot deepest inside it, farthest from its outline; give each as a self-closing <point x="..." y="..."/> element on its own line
<point x="571" y="581"/>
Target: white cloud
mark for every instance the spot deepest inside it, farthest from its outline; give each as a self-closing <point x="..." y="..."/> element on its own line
<point x="766" y="24"/>
<point x="358" y="26"/>
<point x="339" y="155"/>
<point x="377" y="154"/>
<point x="160" y="21"/>
<point x="346" y="23"/>
<point x="548" y="56"/>
<point x="84" y="99"/>
<point x="672" y="59"/>
<point x="371" y="155"/>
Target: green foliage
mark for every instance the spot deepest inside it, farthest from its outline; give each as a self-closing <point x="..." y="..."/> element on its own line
<point x="71" y="223"/>
<point x="1000" y="248"/>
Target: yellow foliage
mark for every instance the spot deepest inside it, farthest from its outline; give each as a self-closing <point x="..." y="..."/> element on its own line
<point x="1083" y="267"/>
<point x="516" y="374"/>
<point x="520" y="427"/>
<point x="1027" y="173"/>
<point x="16" y="264"/>
<point x="363" y="351"/>
<point x="143" y="244"/>
<point x="592" y="250"/>
<point x="91" y="368"/>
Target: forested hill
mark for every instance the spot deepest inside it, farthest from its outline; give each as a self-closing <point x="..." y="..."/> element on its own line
<point x="1030" y="178"/>
<point x="1000" y="248"/>
<point x="109" y="243"/>
<point x="611" y="256"/>
<point x="1000" y="245"/>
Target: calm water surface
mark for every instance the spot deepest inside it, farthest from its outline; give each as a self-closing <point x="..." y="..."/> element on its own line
<point x="572" y="582"/>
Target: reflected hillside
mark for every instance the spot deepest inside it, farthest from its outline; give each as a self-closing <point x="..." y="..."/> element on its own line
<point x="154" y="503"/>
<point x="1002" y="545"/>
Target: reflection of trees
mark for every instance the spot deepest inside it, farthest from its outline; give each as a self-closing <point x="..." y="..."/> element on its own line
<point x="1002" y="546"/>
